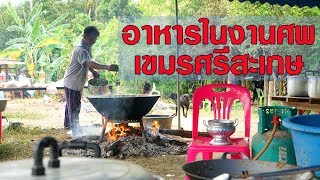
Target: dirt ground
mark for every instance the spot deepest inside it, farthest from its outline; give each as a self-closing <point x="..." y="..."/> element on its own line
<point x="48" y="113"/>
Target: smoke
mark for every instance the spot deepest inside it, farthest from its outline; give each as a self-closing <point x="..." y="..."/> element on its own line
<point x="80" y="131"/>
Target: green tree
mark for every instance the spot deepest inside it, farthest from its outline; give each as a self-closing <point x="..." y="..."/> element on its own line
<point x="52" y="9"/>
<point x="6" y="20"/>
<point x="106" y="50"/>
<point x="284" y="14"/>
<point x="118" y="8"/>
<point x="36" y="41"/>
<point x="157" y="8"/>
<point x="185" y="7"/>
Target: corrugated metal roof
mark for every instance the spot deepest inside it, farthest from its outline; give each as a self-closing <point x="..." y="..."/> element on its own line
<point x="299" y="3"/>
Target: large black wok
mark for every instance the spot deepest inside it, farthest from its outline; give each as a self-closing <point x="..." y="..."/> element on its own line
<point x="123" y="107"/>
<point x="210" y="169"/>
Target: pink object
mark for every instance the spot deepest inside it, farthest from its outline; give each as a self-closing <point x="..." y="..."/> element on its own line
<point x="2" y="77"/>
<point x="221" y="105"/>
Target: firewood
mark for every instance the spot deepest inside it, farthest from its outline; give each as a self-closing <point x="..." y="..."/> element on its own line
<point x="160" y="142"/>
<point x="182" y="133"/>
<point x="135" y="146"/>
<point x="177" y="140"/>
<point x="113" y="149"/>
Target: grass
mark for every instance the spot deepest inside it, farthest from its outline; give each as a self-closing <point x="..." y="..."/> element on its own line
<point x="18" y="141"/>
<point x="25" y="114"/>
<point x="168" y="167"/>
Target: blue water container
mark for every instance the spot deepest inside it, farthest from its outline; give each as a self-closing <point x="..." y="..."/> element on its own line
<point x="305" y="131"/>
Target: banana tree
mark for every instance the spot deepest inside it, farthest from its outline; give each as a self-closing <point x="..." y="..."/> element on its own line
<point x="37" y="41"/>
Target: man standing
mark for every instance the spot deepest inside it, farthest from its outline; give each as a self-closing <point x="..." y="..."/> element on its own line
<point x="76" y="74"/>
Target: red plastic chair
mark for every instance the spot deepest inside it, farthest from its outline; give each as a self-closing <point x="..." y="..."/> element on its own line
<point x="221" y="106"/>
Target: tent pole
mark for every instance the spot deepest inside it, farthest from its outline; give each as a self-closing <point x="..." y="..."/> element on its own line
<point x="178" y="78"/>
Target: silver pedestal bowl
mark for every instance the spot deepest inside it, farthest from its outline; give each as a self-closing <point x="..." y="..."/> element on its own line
<point x="221" y="130"/>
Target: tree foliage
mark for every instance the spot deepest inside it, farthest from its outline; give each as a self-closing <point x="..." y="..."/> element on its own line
<point x="36" y="41"/>
<point x="117" y="8"/>
<point x="6" y="21"/>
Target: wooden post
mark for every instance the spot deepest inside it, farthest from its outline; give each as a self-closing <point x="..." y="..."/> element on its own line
<point x="17" y="71"/>
<point x="280" y="85"/>
<point x="275" y="87"/>
<point x="7" y="72"/>
<point x="266" y="85"/>
<point x="281" y="91"/>
<point x="136" y="89"/>
<point x="271" y="92"/>
<point x="229" y="78"/>
<point x="104" y="127"/>
<point x="242" y="81"/>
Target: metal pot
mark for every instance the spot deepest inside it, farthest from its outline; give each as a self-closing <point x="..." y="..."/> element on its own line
<point x="221" y="130"/>
<point x="314" y="86"/>
<point x="70" y="168"/>
<point x="165" y="121"/>
<point x="297" y="86"/>
<point x="209" y="169"/>
<point x="98" y="89"/>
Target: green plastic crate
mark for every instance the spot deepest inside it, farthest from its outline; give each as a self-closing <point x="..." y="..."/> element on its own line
<point x="266" y="114"/>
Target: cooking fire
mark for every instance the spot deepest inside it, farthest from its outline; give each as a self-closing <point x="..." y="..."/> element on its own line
<point x="123" y="130"/>
<point x="123" y="140"/>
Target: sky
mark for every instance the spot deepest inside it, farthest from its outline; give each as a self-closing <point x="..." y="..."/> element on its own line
<point x="13" y="2"/>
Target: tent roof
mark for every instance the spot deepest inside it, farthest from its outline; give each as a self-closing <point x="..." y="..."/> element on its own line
<point x="299" y="3"/>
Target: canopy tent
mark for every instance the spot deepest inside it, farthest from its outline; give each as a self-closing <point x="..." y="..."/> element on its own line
<point x="299" y="3"/>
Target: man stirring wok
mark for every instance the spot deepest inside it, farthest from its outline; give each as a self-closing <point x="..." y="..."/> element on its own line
<point x="76" y="74"/>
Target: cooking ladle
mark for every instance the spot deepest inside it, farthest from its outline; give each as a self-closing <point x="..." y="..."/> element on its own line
<point x="280" y="173"/>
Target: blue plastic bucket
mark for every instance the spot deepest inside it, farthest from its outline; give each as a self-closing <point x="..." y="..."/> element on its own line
<point x="306" y="139"/>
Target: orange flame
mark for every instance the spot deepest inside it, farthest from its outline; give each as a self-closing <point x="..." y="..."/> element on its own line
<point x="121" y="130"/>
<point x="154" y="129"/>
